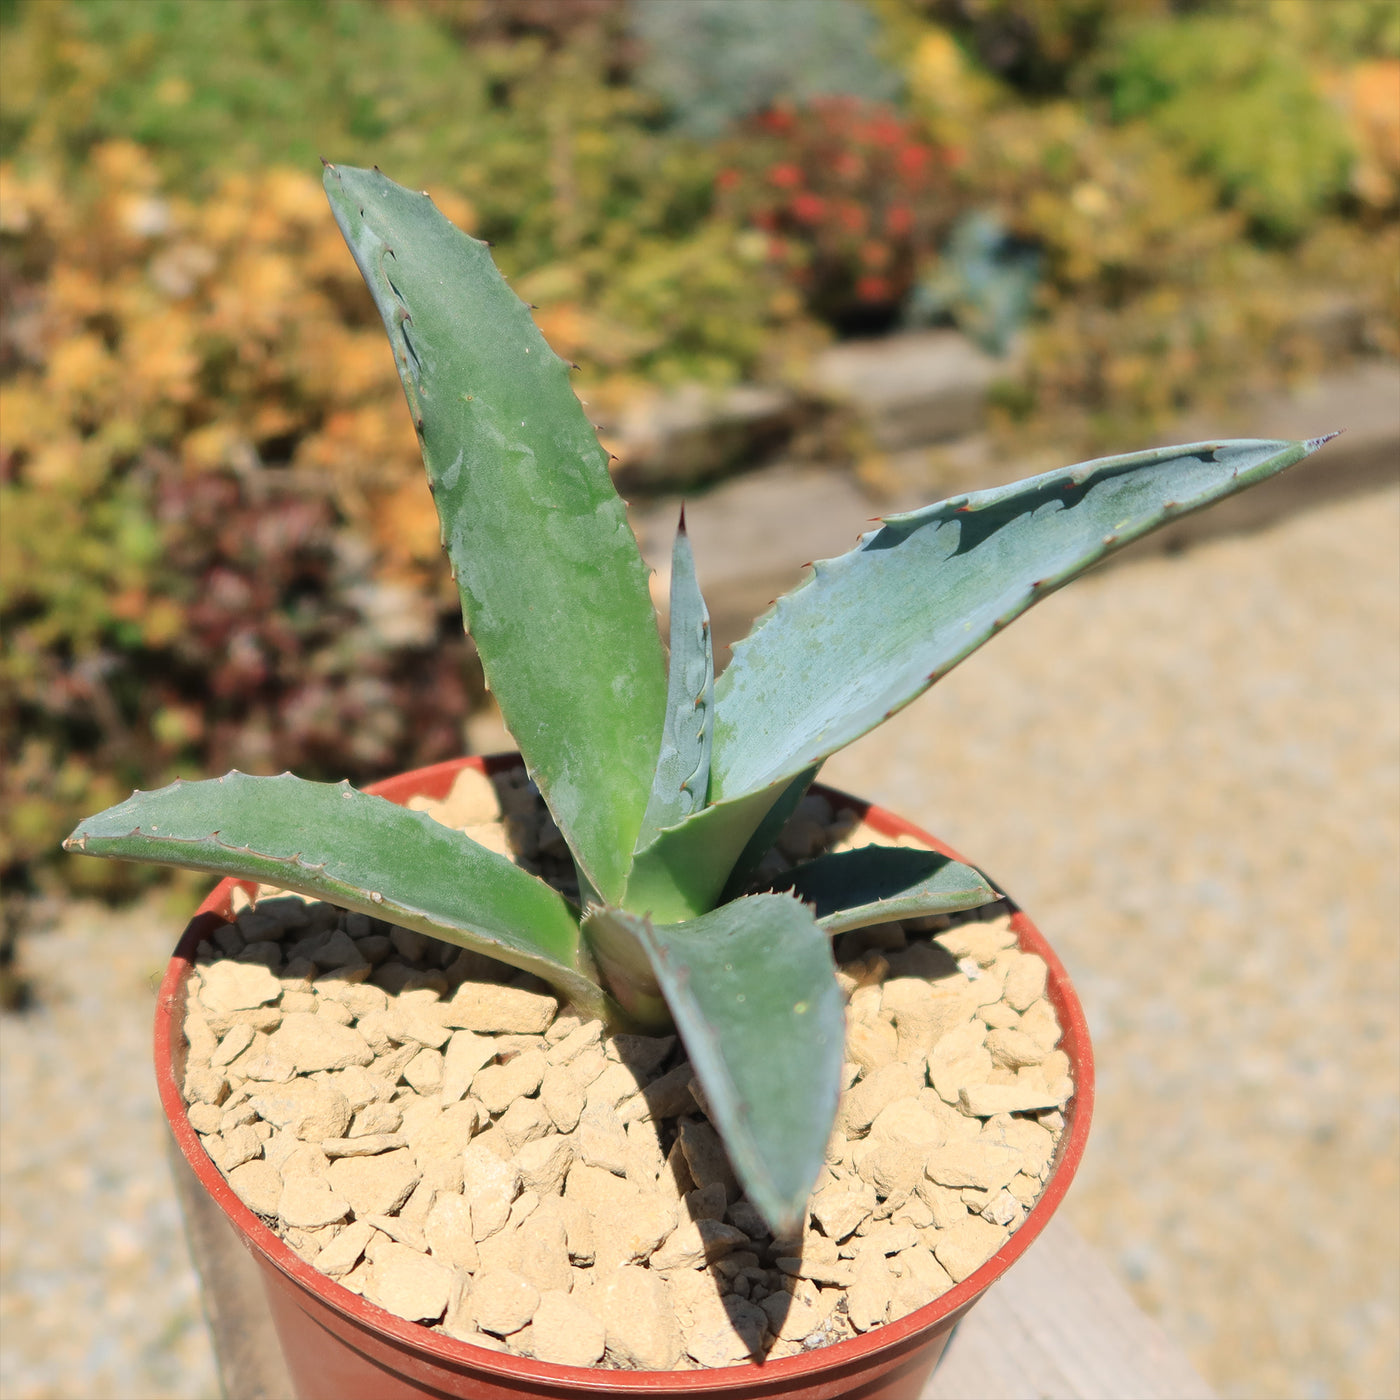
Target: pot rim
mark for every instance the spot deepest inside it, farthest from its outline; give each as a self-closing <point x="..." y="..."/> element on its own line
<point x="435" y="781"/>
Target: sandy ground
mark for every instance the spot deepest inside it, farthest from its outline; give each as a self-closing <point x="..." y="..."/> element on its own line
<point x="1186" y="768"/>
<point x="98" y="1298"/>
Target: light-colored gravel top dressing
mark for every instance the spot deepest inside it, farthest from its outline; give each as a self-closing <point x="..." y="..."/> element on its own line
<point x="432" y="1130"/>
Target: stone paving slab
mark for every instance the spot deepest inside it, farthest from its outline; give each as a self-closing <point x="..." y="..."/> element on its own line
<point x="1061" y="1325"/>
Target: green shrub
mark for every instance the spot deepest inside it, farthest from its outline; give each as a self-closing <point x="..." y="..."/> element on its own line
<point x="1034" y="46"/>
<point x="1238" y="98"/>
<point x="565" y="167"/>
<point x="182" y="346"/>
<point x="1154" y="299"/>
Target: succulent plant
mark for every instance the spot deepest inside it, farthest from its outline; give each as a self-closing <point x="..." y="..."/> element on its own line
<point x="668" y="785"/>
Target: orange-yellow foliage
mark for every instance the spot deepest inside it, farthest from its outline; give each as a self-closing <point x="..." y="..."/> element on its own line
<point x="231" y="332"/>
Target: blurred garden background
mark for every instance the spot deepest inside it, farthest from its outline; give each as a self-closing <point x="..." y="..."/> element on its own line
<point x="217" y="548"/>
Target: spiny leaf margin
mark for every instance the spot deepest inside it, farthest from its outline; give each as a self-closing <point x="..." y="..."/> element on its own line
<point x="878" y="884"/>
<point x="358" y="851"/>
<point x="866" y="633"/>
<point x="553" y="586"/>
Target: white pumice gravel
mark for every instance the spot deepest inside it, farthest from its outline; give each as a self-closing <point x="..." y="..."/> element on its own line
<point x="435" y="1132"/>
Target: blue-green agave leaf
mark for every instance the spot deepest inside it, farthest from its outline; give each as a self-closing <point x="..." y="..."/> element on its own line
<point x="624" y="968"/>
<point x="752" y="989"/>
<point x="865" y="634"/>
<point x="684" y="869"/>
<point x="683" y="768"/>
<point x="876" y="884"/>
<point x="553" y="587"/>
<point x="766" y="833"/>
<point x="332" y="842"/>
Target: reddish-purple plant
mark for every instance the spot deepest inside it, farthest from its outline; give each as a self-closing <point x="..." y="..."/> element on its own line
<point x="853" y="199"/>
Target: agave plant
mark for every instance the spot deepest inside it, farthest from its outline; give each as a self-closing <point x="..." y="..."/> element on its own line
<point x="667" y="784"/>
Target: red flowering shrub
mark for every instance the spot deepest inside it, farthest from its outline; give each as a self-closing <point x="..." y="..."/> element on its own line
<point x="851" y="197"/>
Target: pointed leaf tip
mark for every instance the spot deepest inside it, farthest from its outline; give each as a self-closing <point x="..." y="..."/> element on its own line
<point x="1313" y="444"/>
<point x="682" y="773"/>
<point x="861" y="635"/>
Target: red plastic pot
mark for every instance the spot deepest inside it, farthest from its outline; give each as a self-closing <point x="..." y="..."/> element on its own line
<point x="340" y="1347"/>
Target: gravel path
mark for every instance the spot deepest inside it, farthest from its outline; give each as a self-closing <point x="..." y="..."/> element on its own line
<point x="97" y="1295"/>
<point x="1186" y="768"/>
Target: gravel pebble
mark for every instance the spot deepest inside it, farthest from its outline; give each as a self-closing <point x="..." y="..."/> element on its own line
<point x="521" y="1209"/>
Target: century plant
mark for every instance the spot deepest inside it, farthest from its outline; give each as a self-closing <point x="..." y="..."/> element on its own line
<point x="668" y="784"/>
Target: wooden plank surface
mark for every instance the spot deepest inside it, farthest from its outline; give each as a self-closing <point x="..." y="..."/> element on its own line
<point x="246" y="1347"/>
<point x="1059" y="1326"/>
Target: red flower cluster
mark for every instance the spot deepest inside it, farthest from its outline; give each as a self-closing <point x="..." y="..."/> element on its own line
<point x="851" y="196"/>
